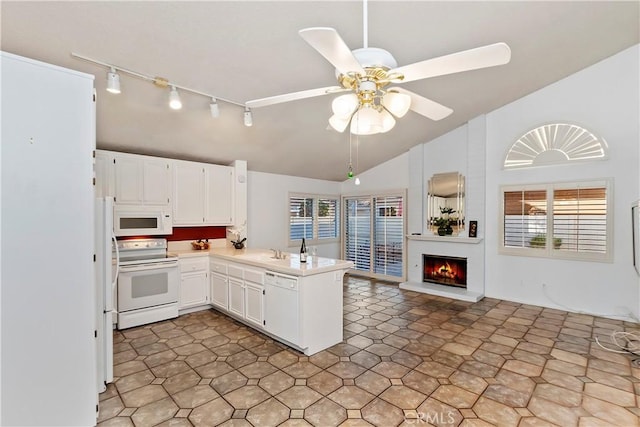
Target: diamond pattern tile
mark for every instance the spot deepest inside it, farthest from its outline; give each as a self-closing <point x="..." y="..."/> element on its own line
<point x="406" y="359"/>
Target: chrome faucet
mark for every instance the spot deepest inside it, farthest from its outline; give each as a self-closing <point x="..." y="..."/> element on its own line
<point x="278" y="254"/>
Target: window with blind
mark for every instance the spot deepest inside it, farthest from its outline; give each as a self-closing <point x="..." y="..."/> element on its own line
<point x="313" y="217"/>
<point x="374" y="234"/>
<point x="561" y="220"/>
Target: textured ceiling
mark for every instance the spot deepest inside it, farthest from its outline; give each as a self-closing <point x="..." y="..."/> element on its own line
<point x="246" y="50"/>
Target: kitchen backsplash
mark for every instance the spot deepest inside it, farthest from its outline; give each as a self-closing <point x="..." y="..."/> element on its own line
<point x="195" y="233"/>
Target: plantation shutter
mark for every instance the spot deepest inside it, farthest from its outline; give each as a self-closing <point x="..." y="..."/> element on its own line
<point x="388" y="235"/>
<point x="580" y="219"/>
<point x="358" y="233"/>
<point x="525" y="219"/>
<point x="300" y="218"/>
<point x="327" y="218"/>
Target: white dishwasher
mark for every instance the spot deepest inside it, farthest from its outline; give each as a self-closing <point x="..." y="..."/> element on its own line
<point x="281" y="306"/>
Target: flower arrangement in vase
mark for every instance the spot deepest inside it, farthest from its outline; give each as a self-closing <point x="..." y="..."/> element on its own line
<point x="444" y="221"/>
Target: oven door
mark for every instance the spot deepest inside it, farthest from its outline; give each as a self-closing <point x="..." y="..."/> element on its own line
<point x="147" y="285"/>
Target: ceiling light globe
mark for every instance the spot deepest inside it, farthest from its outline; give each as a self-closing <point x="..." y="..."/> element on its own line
<point x="367" y="121"/>
<point x="388" y="122"/>
<point x="174" y="99"/>
<point x="338" y="123"/>
<point x="397" y="103"/>
<point x="343" y="106"/>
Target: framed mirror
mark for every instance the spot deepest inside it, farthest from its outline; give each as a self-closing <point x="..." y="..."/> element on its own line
<point x="445" y="202"/>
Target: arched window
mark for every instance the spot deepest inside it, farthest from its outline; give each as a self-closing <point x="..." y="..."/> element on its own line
<point x="553" y="144"/>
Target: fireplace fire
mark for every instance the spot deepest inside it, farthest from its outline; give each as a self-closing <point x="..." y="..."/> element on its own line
<point x="444" y="270"/>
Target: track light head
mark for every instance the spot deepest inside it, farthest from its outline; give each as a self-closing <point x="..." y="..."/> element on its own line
<point x="215" y="110"/>
<point x="174" y="99"/>
<point x="113" y="81"/>
<point x="248" y="119"/>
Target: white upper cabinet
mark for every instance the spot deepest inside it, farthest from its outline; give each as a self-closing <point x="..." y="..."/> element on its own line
<point x="197" y="193"/>
<point x="188" y="193"/>
<point x="104" y="176"/>
<point x="203" y="194"/>
<point x="219" y="195"/>
<point x="142" y="180"/>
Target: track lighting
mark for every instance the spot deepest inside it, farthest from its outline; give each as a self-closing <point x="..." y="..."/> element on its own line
<point x="113" y="81"/>
<point x="215" y="110"/>
<point x="174" y="99"/>
<point x="248" y="119"/>
<point x="113" y="86"/>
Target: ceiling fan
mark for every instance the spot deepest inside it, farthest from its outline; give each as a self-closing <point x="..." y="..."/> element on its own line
<point x="369" y="75"/>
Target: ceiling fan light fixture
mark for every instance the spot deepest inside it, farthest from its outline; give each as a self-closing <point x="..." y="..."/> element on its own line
<point x="398" y="104"/>
<point x="366" y="121"/>
<point x="174" y="99"/>
<point x="388" y="122"/>
<point x="113" y="81"/>
<point x="339" y="123"/>
<point x="343" y="106"/>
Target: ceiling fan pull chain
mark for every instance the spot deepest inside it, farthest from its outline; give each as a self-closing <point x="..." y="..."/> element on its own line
<point x="365" y="24"/>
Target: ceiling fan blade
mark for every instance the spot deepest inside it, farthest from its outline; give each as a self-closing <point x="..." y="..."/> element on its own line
<point x="424" y="106"/>
<point x="472" y="59"/>
<point x="293" y="96"/>
<point x="328" y="42"/>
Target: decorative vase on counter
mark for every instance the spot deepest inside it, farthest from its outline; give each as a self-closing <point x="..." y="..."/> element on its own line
<point x="442" y="231"/>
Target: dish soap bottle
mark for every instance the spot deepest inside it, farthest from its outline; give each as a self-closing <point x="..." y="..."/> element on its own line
<point x="303" y="251"/>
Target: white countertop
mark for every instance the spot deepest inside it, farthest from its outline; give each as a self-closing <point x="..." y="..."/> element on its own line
<point x="264" y="258"/>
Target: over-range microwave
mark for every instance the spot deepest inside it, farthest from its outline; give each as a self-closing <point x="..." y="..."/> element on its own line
<point x="141" y="221"/>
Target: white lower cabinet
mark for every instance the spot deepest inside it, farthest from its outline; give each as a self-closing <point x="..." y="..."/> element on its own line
<point x="238" y="291"/>
<point x="219" y="291"/>
<point x="302" y="311"/>
<point x="219" y="285"/>
<point x="254" y="297"/>
<point x="236" y="296"/>
<point x="194" y="282"/>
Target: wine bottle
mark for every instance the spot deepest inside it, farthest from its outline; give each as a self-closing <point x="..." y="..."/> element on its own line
<point x="303" y="251"/>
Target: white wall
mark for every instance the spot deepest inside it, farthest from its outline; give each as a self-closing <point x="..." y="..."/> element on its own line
<point x="268" y="209"/>
<point x="390" y="175"/>
<point x="604" y="99"/>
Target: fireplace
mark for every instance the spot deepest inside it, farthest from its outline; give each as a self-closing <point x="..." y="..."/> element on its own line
<point x="444" y="270"/>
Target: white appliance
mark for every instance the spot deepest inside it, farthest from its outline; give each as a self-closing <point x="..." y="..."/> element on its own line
<point x="47" y="196"/>
<point x="106" y="245"/>
<point x="281" y="306"/>
<point x="148" y="282"/>
<point x="141" y="221"/>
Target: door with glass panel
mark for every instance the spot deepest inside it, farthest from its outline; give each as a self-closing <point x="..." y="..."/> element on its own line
<point x="374" y="235"/>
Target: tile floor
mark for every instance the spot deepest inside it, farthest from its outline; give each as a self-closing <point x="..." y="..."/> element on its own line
<point x="406" y="358"/>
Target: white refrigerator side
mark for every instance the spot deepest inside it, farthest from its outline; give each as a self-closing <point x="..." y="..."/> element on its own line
<point x="104" y="291"/>
<point x="48" y="293"/>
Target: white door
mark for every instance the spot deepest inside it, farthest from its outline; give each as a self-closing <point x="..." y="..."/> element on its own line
<point x="156" y="181"/>
<point x="193" y="289"/>
<point x="219" y="195"/>
<point x="254" y="303"/>
<point x="188" y="192"/>
<point x="236" y="296"/>
<point x="219" y="291"/>
<point x="128" y="179"/>
<point x="104" y="175"/>
<point x="48" y="138"/>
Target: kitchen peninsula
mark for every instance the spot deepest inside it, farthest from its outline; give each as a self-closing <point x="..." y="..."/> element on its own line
<point x="298" y="304"/>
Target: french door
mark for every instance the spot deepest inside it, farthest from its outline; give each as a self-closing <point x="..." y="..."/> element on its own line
<point x="373" y="236"/>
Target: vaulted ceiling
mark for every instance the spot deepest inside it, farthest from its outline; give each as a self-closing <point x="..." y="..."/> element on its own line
<point x="241" y="50"/>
